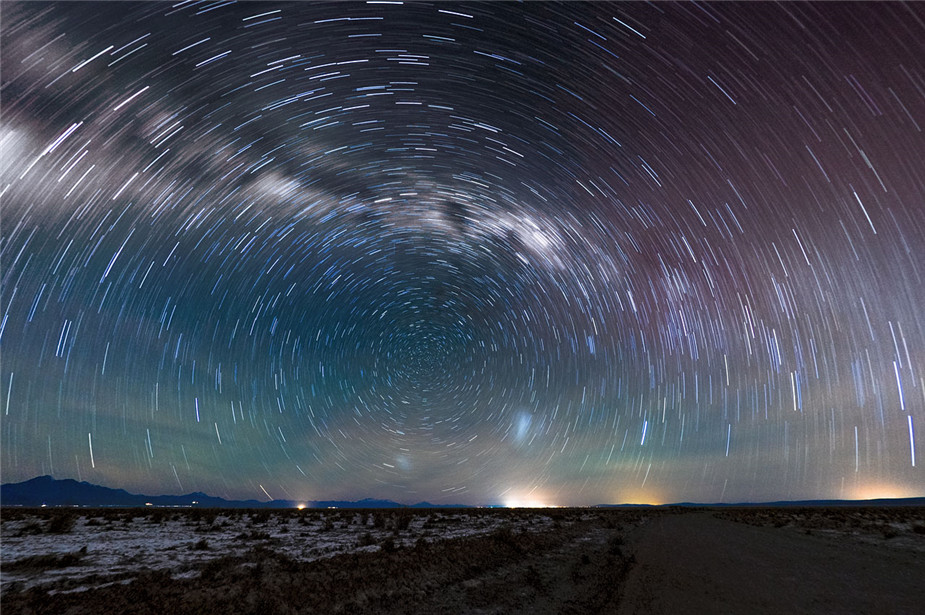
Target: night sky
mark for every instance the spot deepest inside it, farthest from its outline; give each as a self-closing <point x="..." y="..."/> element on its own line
<point x="467" y="253"/>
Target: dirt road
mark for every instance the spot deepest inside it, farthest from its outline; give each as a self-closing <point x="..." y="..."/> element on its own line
<point x="696" y="563"/>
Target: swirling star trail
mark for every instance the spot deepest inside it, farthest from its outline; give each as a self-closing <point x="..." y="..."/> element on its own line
<point x="564" y="253"/>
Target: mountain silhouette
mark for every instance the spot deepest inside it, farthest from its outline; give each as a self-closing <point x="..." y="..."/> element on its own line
<point x="48" y="491"/>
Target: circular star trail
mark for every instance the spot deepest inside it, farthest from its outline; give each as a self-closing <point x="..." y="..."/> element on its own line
<point x="473" y="253"/>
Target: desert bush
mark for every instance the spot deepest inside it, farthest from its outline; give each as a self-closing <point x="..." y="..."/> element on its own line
<point x="918" y="529"/>
<point x="534" y="579"/>
<point x="505" y="535"/>
<point x="47" y="561"/>
<point x="220" y="567"/>
<point x="615" y="546"/>
<point x="366" y="540"/>
<point x="200" y="545"/>
<point x="403" y="520"/>
<point x="388" y="545"/>
<point x="253" y="535"/>
<point x="110" y="515"/>
<point x="30" y="529"/>
<point x="61" y="523"/>
<point x="260" y="518"/>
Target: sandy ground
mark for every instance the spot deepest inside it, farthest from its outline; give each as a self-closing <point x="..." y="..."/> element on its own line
<point x="488" y="561"/>
<point x="471" y="562"/>
<point x="115" y="545"/>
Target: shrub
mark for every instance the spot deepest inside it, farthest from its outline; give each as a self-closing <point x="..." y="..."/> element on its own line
<point x="403" y="521"/>
<point x="505" y="536"/>
<point x="201" y="545"/>
<point x="615" y="546"/>
<point x="47" y="561"/>
<point x="61" y="523"/>
<point x="366" y="540"/>
<point x="388" y="545"/>
<point x="254" y="535"/>
<point x="31" y="529"/>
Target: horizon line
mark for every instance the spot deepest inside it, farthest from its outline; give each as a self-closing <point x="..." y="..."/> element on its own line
<point x="307" y="504"/>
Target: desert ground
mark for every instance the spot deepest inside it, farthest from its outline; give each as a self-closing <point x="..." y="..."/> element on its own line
<point x="637" y="560"/>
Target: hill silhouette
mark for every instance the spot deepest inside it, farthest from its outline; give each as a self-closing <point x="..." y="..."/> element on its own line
<point x="48" y="491"/>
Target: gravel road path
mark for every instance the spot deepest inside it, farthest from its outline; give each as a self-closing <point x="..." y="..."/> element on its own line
<point x="696" y="563"/>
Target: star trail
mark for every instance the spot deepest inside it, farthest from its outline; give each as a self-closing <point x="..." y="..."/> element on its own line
<point x="561" y="253"/>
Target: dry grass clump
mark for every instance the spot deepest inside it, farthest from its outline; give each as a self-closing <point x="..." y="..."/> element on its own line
<point x="888" y="522"/>
<point x="58" y="522"/>
<point x="61" y="523"/>
<point x="46" y="561"/>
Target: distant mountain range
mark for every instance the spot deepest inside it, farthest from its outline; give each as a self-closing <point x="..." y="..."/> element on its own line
<point x="47" y="491"/>
<point x="781" y="503"/>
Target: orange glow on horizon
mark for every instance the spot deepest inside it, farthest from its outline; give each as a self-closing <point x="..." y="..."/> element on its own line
<point x="877" y="491"/>
<point x="648" y="497"/>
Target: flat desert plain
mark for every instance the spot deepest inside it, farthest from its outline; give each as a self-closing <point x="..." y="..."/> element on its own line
<point x="601" y="560"/>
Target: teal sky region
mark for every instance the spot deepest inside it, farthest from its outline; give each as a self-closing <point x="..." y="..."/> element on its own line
<point x="519" y="253"/>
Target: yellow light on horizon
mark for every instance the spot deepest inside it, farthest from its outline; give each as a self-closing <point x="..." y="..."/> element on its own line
<point x="884" y="491"/>
<point x="649" y="497"/>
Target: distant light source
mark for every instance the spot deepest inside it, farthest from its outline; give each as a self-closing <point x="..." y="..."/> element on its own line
<point x="881" y="491"/>
<point x="300" y="506"/>
<point x="526" y="502"/>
